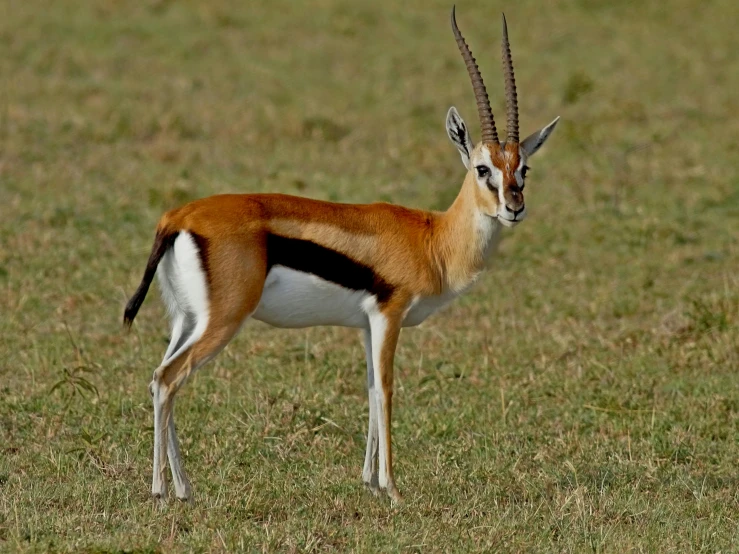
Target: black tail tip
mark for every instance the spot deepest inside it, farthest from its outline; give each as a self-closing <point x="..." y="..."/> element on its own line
<point x="127" y="321"/>
<point x="132" y="308"/>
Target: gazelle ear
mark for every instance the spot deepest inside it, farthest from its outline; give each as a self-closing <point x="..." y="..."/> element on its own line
<point x="534" y="141"/>
<point x="459" y="135"/>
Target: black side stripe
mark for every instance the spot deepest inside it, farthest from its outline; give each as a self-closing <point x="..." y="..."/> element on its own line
<point x="309" y="257"/>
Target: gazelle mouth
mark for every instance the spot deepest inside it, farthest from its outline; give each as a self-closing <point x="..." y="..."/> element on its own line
<point x="508" y="222"/>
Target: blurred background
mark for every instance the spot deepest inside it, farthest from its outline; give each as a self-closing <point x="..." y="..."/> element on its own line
<point x="582" y="396"/>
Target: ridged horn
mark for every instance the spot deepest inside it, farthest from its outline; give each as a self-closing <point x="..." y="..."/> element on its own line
<point x="487" y="122"/>
<point x="511" y="99"/>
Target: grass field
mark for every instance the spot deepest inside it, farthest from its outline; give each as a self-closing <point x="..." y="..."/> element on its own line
<point x="583" y="396"/>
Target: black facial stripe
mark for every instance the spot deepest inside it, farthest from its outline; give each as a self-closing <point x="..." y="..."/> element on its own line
<point x="309" y="257"/>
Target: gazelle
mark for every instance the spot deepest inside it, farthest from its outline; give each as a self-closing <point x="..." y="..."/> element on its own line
<point x="296" y="262"/>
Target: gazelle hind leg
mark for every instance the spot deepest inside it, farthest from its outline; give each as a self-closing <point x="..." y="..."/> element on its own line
<point x="182" y="327"/>
<point x="159" y="476"/>
<point x="369" y="473"/>
<point x="218" y="313"/>
<point x="184" y="290"/>
<point x="182" y="488"/>
<point x="165" y="384"/>
<point x="165" y="438"/>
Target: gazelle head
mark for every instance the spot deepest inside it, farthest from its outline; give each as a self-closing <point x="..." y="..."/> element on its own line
<point x="498" y="168"/>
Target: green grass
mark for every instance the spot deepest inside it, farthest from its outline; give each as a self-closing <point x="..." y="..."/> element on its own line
<point x="583" y="397"/>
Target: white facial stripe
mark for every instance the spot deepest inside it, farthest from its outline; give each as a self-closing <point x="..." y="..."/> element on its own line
<point x="487" y="160"/>
<point x="497" y="177"/>
<point x="501" y="199"/>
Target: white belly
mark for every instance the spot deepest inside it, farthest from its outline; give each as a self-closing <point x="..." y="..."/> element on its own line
<point x="296" y="299"/>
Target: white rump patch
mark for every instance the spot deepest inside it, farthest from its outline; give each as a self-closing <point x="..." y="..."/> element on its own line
<point x="185" y="291"/>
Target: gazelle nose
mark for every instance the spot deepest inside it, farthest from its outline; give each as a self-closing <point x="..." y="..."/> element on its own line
<point x="516" y="212"/>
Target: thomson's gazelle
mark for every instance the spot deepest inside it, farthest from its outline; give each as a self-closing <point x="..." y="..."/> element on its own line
<point x="295" y="262"/>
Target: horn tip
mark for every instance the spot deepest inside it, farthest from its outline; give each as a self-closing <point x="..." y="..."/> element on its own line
<point x="505" y="25"/>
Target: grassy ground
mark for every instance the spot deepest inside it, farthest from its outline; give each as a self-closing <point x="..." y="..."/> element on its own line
<point x="582" y="397"/>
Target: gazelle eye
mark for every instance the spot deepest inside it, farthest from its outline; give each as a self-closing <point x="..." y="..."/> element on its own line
<point x="482" y="171"/>
<point x="524" y="170"/>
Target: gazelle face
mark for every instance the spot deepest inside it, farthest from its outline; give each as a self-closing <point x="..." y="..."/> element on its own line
<point x="500" y="170"/>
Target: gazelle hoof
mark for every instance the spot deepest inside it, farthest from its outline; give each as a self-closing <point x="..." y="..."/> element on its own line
<point x="372" y="484"/>
<point x="373" y="488"/>
<point x="159" y="499"/>
<point x="396" y="499"/>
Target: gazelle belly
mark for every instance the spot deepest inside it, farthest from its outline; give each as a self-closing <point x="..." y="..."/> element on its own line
<point x="295" y="299"/>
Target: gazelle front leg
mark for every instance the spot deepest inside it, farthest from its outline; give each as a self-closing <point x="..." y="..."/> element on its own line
<point x="385" y="323"/>
<point x="369" y="473"/>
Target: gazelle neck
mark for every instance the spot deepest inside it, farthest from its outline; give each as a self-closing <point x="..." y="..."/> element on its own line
<point x="466" y="238"/>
